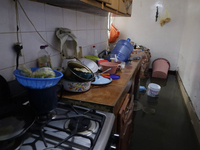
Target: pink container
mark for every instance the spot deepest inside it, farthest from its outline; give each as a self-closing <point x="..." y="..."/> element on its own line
<point x="107" y="65"/>
<point x="160" y="68"/>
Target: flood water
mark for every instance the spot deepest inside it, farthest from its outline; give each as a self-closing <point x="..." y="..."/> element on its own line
<point x="163" y="122"/>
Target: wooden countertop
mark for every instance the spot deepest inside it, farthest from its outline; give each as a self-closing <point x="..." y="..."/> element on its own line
<point x="106" y="95"/>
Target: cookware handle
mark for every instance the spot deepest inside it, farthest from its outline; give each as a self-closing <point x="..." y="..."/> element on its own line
<point x="61" y="89"/>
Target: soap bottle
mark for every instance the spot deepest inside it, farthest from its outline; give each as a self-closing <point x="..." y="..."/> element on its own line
<point x="43" y="57"/>
<point x="95" y="51"/>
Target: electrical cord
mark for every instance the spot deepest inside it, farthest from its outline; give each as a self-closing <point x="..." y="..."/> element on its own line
<point x="35" y="27"/>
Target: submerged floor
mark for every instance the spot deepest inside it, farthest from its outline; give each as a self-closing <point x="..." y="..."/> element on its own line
<point x="169" y="128"/>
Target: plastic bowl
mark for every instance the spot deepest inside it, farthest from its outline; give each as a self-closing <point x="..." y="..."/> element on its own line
<point x="37" y="83"/>
<point x="107" y="65"/>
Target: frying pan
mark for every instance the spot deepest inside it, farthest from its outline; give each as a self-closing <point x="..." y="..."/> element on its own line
<point x="15" y="119"/>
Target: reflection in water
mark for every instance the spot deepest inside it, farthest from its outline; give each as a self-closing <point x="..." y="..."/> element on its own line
<point x="149" y="103"/>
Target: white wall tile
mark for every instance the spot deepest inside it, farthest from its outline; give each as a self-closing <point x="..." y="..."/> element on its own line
<point x="32" y="64"/>
<point x="86" y="51"/>
<point x="54" y="17"/>
<point x="32" y="43"/>
<point x="90" y="37"/>
<point x="82" y="38"/>
<point x="56" y="61"/>
<point x="8" y="17"/>
<point x="8" y="55"/>
<point x="81" y="20"/>
<point x="90" y="21"/>
<point x="104" y="36"/>
<point x="69" y="19"/>
<point x="35" y="11"/>
<point x="97" y="22"/>
<point x="97" y="36"/>
<point x="104" y="23"/>
<point x="55" y="42"/>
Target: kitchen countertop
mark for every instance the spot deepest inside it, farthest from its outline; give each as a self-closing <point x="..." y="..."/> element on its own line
<point x="105" y="97"/>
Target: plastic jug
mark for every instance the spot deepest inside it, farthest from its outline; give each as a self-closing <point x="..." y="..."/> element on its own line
<point x="122" y="49"/>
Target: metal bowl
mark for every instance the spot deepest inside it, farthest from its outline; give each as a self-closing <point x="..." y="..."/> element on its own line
<point x="72" y="75"/>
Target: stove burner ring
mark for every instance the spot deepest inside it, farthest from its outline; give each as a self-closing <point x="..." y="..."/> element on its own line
<point x="93" y="128"/>
<point x="46" y="117"/>
<point x="83" y="124"/>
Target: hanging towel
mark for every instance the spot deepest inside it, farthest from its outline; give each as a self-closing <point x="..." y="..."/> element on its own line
<point x="68" y="48"/>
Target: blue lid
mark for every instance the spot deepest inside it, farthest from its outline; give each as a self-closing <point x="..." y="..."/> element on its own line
<point x="128" y="40"/>
<point x="114" y="76"/>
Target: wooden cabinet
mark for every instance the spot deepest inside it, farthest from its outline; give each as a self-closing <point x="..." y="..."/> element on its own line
<point x="99" y="7"/>
<point x="105" y="1"/>
<point x="122" y="6"/>
<point x="125" y="122"/>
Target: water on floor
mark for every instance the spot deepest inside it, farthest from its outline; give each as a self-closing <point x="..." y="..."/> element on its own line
<point x="162" y="123"/>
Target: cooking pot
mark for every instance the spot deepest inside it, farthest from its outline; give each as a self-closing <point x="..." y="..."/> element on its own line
<point x="45" y="100"/>
<point x="72" y="75"/>
<point x="74" y="86"/>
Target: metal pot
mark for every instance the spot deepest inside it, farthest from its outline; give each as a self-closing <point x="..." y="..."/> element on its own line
<point x="44" y="100"/>
<point x="71" y="75"/>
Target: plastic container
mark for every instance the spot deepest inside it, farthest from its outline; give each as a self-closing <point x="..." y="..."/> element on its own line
<point x="160" y="68"/>
<point x="95" y="51"/>
<point x="122" y="49"/>
<point x="107" y="65"/>
<point x="37" y="83"/>
<point x="44" y="57"/>
<point x="153" y="90"/>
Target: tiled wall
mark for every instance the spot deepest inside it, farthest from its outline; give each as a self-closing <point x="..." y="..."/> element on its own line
<point x="89" y="29"/>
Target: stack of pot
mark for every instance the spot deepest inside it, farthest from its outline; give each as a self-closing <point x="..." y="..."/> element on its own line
<point x="76" y="80"/>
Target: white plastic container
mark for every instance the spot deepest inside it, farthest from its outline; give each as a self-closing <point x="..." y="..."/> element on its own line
<point x="43" y="57"/>
<point x="95" y="53"/>
<point x="153" y="90"/>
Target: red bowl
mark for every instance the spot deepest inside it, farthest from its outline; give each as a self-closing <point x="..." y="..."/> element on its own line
<point x="107" y="65"/>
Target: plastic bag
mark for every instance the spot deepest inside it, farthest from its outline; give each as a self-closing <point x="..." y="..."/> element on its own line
<point x="165" y="18"/>
<point x="114" y="34"/>
<point x="44" y="72"/>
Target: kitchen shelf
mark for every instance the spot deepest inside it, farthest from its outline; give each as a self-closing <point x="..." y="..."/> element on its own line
<point x="88" y="6"/>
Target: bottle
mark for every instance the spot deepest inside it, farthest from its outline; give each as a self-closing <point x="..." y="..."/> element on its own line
<point x="95" y="51"/>
<point x="43" y="57"/>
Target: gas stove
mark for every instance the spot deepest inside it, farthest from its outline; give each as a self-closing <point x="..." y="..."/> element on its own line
<point x="69" y="127"/>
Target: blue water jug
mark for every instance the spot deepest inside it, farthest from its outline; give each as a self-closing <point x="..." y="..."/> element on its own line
<point x="122" y="49"/>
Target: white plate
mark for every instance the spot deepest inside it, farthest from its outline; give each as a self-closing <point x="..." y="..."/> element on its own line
<point x="90" y="64"/>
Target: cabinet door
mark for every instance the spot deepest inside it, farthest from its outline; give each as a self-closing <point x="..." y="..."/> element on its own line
<point x="125" y="6"/>
<point x="125" y="122"/>
<point x="114" y="4"/>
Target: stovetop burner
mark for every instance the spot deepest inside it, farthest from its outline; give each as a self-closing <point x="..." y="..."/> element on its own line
<point x="69" y="128"/>
<point x="79" y="124"/>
